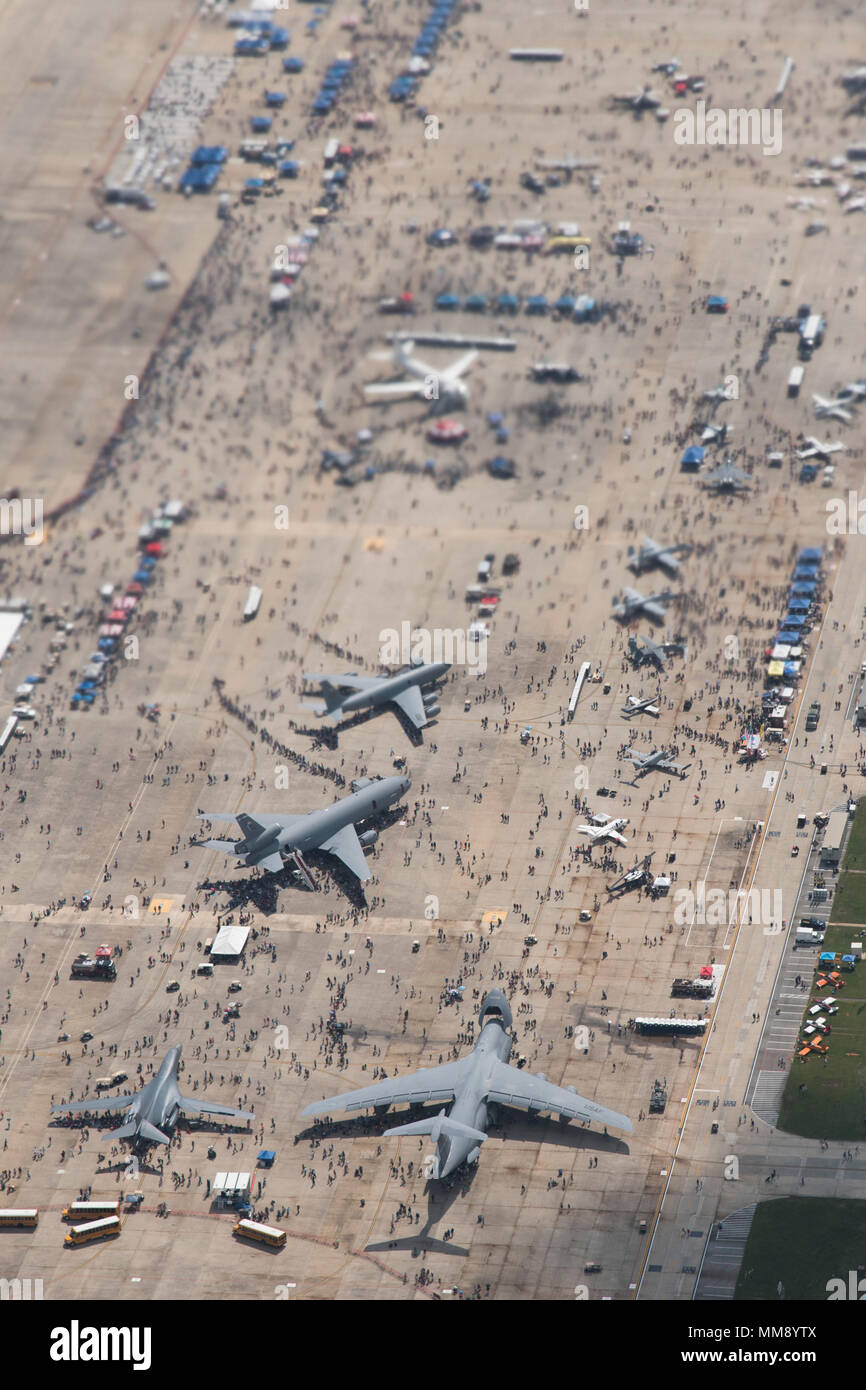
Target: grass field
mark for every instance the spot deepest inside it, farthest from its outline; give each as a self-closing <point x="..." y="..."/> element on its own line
<point x="801" y="1242"/>
<point x="833" y="1106"/>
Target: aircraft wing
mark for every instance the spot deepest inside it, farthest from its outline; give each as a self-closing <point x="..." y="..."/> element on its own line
<point x="346" y="682"/>
<point x="411" y="703"/>
<point x="460" y="366"/>
<point x="204" y="1107"/>
<point x="508" y="1086"/>
<point x="102" y="1103"/>
<point x="615" y="835"/>
<point x="416" y="1088"/>
<point x="395" y="388"/>
<point x="347" y="847"/>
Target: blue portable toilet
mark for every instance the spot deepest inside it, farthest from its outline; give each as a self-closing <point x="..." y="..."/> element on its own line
<point x="275" y="98"/>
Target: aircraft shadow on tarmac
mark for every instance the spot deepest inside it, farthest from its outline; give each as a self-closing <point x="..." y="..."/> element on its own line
<point x="264" y="891"/>
<point x="329" y="735"/>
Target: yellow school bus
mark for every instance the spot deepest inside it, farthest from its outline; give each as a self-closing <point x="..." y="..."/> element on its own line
<point x="90" y="1211"/>
<point x="564" y="244"/>
<point x="265" y="1235"/>
<point x="19" y="1216"/>
<point x="93" y="1230"/>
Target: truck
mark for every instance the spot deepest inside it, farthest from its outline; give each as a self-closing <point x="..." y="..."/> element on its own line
<point x="860" y="712"/>
<point x="812" y="716"/>
<point x="805" y="936"/>
<point x="811" y="334"/>
<point x="96" y="967"/>
<point x="795" y="380"/>
<point x="692" y="989"/>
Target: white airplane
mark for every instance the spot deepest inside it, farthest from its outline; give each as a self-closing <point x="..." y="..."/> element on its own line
<point x="818" y="450"/>
<point x="443" y="387"/>
<point x="718" y="393"/>
<point x="856" y="389"/>
<point x="832" y="410"/>
<point x="717" y="433"/>
<point x="605" y="828"/>
<point x="856" y="205"/>
<point x="651" y="553"/>
<point x="632" y="603"/>
<point x="635" y="706"/>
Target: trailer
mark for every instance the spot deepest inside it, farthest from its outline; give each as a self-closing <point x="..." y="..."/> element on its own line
<point x="831" y="849"/>
<point x="670" y="1027"/>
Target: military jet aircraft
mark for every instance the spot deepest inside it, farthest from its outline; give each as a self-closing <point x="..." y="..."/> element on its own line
<point x="404" y="689"/>
<point x="474" y="1083"/>
<point x="644" y="100"/>
<point x="643" y="649"/>
<point x="632" y="878"/>
<point x="632" y="604"/>
<point x="658" y="760"/>
<point x="643" y="706"/>
<point x="833" y="410"/>
<point x="727" y="478"/>
<point x="268" y="837"/>
<point x="819" y="450"/>
<point x="651" y="554"/>
<point x="153" y="1110"/>
<point x="605" y="828"/>
<point x="441" y="387"/>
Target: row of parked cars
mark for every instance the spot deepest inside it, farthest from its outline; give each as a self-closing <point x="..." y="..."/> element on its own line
<point x="119" y="608"/>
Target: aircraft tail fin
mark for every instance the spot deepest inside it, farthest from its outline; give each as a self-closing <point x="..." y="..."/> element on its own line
<point x="154" y="1135"/>
<point x="227" y="846"/>
<point x="126" y="1131"/>
<point x="435" y="1125"/>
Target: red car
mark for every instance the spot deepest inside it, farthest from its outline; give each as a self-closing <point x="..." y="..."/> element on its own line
<point x="446" y="432"/>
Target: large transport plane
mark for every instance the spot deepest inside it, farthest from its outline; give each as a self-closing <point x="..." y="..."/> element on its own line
<point x="268" y="837"/>
<point x="473" y="1084"/>
<point x="153" y="1110"/>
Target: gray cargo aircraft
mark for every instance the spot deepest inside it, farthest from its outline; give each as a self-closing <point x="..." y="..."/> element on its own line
<point x="659" y="760"/>
<point x="651" y="553"/>
<point x="368" y="692"/>
<point x="152" y="1110"/>
<point x="268" y="837"/>
<point x="474" y="1083"/>
<point x="632" y="604"/>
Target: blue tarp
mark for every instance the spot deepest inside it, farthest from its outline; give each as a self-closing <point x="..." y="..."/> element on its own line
<point x="200" y="178"/>
<point x="209" y="154"/>
<point x="810" y="556"/>
<point x="692" y="457"/>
